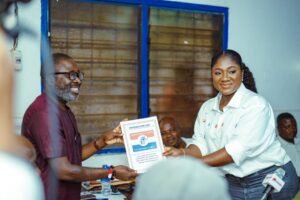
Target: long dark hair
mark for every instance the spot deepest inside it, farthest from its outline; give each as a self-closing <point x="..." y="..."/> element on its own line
<point x="248" y="78"/>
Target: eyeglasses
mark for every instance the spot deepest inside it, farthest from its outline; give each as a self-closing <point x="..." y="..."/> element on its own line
<point x="73" y="75"/>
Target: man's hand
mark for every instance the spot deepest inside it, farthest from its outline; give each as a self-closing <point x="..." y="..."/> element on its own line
<point x="124" y="173"/>
<point x="111" y="137"/>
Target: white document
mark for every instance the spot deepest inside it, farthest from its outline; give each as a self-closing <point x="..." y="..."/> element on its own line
<point x="143" y="143"/>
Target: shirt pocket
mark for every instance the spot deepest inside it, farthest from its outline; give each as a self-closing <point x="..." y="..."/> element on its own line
<point x="230" y="128"/>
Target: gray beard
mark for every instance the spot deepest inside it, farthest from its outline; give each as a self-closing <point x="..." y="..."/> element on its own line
<point x="66" y="94"/>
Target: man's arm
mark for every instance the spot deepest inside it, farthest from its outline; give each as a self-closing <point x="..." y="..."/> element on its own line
<point x="69" y="172"/>
<point x="108" y="138"/>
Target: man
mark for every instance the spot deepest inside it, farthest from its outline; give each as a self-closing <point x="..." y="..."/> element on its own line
<point x="287" y="130"/>
<point x="170" y="132"/>
<point x="65" y="157"/>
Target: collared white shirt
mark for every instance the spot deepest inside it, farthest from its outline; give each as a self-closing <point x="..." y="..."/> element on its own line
<point x="293" y="151"/>
<point x="246" y="128"/>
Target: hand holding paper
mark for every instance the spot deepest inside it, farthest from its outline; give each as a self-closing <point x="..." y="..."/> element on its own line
<point x="172" y="151"/>
<point x="124" y="173"/>
<point x="143" y="142"/>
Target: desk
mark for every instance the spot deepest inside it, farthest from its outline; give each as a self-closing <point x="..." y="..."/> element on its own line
<point x="111" y="197"/>
<point x="99" y="196"/>
<point x="118" y="158"/>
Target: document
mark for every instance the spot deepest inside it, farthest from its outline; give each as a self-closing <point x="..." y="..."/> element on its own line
<point x="143" y="143"/>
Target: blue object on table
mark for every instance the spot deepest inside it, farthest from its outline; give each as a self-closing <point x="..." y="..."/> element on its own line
<point x="106" y="184"/>
<point x="111" y="150"/>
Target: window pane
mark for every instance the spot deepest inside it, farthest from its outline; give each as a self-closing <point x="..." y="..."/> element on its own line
<point x="103" y="40"/>
<point x="181" y="46"/>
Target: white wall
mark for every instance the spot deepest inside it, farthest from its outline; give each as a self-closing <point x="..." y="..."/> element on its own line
<point x="267" y="35"/>
<point x="27" y="81"/>
<point x="265" y="32"/>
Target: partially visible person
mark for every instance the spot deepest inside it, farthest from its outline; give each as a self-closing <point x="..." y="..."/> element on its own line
<point x="287" y="131"/>
<point x="181" y="178"/>
<point x="19" y="179"/>
<point x="235" y="131"/>
<point x="25" y="148"/>
<point x="170" y="132"/>
<point x="63" y="157"/>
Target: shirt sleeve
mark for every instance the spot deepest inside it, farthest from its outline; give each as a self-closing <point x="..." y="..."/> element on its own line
<point x="254" y="132"/>
<point x="49" y="143"/>
<point x="198" y="138"/>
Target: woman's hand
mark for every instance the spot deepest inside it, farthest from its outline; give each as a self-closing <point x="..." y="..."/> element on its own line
<point x="172" y="151"/>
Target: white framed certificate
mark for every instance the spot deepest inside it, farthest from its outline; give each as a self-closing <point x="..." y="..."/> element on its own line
<point x="143" y="142"/>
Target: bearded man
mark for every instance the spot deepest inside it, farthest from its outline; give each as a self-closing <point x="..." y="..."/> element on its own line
<point x="51" y="127"/>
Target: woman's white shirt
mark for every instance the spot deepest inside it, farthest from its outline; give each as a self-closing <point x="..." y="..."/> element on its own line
<point x="246" y="128"/>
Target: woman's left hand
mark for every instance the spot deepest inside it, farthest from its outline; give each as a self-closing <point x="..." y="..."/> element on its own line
<point x="172" y="151"/>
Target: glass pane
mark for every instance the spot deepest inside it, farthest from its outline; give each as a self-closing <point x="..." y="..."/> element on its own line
<point x="103" y="40"/>
<point x="181" y="46"/>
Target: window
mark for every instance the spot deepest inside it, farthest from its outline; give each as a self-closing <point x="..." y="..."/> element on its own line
<point x="128" y="75"/>
<point x="181" y="46"/>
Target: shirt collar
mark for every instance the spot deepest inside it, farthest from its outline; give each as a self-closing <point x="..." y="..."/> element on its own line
<point x="235" y="101"/>
<point x="283" y="141"/>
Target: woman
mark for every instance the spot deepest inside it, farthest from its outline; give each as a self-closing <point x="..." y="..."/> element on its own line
<point x="235" y="131"/>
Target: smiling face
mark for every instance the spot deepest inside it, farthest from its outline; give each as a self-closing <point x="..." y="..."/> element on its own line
<point x="227" y="76"/>
<point x="66" y="89"/>
<point x="169" y="132"/>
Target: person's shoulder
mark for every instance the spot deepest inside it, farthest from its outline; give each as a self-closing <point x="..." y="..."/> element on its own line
<point x="187" y="140"/>
<point x="210" y="102"/>
<point x="26" y="181"/>
<point x="38" y="104"/>
<point x="252" y="98"/>
<point x="36" y="109"/>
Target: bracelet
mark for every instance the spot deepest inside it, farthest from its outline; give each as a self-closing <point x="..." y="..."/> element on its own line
<point x="96" y="145"/>
<point x="110" y="173"/>
<point x="183" y="151"/>
<point x="113" y="172"/>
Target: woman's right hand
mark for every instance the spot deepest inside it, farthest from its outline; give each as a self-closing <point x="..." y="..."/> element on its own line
<point x="172" y="151"/>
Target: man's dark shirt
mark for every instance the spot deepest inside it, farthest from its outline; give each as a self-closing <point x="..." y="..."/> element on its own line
<point x="35" y="127"/>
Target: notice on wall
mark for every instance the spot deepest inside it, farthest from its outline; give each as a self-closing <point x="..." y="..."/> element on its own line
<point x="143" y="142"/>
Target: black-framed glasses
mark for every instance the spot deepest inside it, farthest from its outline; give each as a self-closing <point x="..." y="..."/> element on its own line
<point x="73" y="75"/>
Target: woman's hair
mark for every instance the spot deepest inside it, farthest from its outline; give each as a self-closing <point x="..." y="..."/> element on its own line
<point x="248" y="78"/>
<point x="233" y="55"/>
